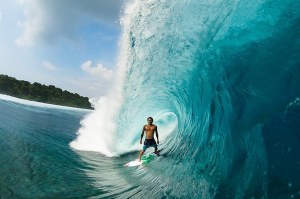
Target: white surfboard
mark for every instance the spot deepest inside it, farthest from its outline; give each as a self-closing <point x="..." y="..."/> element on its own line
<point x="145" y="159"/>
<point x="133" y="163"/>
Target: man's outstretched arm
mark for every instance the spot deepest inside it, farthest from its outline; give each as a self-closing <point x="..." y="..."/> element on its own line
<point x="142" y="135"/>
<point x="156" y="132"/>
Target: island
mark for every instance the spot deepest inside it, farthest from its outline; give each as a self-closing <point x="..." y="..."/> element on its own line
<point x="41" y="93"/>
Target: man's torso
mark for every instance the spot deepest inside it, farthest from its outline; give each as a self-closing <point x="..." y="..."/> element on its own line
<point x="150" y="129"/>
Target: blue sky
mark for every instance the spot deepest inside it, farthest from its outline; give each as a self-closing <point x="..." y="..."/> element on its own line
<point x="71" y="44"/>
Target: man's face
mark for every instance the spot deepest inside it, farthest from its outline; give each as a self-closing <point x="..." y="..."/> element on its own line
<point x="150" y="121"/>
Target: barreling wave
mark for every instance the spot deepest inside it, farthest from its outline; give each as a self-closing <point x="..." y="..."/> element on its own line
<point x="209" y="72"/>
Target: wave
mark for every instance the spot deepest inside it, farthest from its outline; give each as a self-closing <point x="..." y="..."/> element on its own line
<point x="210" y="73"/>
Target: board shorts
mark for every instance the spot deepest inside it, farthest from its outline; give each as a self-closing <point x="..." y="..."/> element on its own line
<point x="149" y="143"/>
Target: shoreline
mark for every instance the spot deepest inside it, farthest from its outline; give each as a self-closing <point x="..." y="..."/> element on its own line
<point x="40" y="104"/>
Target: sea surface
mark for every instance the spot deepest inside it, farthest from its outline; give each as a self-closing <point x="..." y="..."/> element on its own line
<point x="37" y="161"/>
<point x="220" y="78"/>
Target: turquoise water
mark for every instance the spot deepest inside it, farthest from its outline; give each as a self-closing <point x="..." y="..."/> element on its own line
<point x="220" y="78"/>
<point x="37" y="161"/>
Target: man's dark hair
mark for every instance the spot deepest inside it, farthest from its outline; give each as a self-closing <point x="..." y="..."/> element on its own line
<point x="149" y="118"/>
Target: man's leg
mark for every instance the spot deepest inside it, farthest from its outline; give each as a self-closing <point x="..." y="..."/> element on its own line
<point x="155" y="149"/>
<point x="141" y="153"/>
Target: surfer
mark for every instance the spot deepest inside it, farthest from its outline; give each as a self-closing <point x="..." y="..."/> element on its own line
<point x="150" y="129"/>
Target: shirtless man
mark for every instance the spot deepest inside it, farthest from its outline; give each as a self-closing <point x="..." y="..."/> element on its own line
<point x="150" y="129"/>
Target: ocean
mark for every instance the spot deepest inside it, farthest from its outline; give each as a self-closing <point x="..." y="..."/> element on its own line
<point x="221" y="80"/>
<point x="37" y="161"/>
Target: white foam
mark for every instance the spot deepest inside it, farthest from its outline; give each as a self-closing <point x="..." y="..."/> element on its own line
<point x="98" y="129"/>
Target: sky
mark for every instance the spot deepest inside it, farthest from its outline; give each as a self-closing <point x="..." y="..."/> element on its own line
<point x="71" y="44"/>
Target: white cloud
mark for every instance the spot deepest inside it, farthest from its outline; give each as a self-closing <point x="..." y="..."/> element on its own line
<point x="88" y="86"/>
<point x="49" y="66"/>
<point x="0" y="15"/>
<point x="99" y="70"/>
<point x="48" y="20"/>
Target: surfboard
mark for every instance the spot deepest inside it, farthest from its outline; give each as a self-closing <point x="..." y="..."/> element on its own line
<point x="144" y="159"/>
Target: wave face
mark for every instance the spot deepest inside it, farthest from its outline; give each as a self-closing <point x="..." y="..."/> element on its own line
<point x="210" y="73"/>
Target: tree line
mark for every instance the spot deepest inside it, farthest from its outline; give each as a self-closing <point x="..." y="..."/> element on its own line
<point x="41" y="93"/>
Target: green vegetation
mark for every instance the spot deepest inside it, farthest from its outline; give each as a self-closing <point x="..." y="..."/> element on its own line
<point x="41" y="93"/>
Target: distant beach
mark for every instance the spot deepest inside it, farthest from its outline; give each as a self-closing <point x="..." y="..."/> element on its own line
<point x="39" y="104"/>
